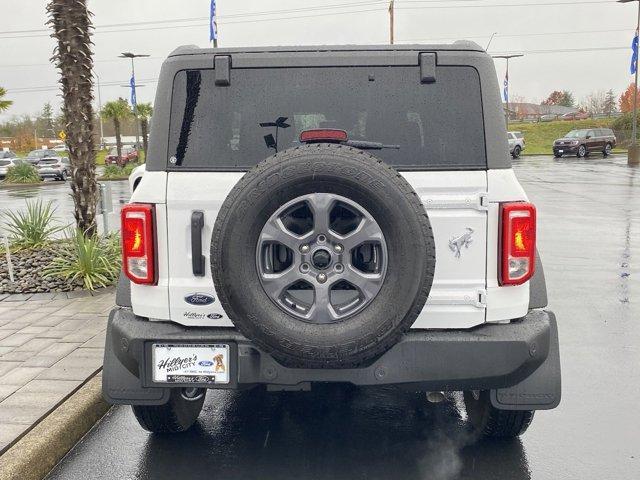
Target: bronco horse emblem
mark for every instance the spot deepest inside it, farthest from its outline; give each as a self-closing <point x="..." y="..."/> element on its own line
<point x="219" y="368"/>
<point x="464" y="240"/>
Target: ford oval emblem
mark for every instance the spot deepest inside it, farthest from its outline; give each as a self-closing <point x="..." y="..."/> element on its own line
<point x="199" y="299"/>
<point x="205" y="363"/>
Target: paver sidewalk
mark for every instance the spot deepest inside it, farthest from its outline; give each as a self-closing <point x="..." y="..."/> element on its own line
<point x="49" y="347"/>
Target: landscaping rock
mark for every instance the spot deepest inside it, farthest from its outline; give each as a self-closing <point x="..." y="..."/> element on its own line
<point x="28" y="271"/>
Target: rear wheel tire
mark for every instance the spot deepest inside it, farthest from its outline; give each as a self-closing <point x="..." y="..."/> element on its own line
<point x="175" y="416"/>
<point x="516" y="151"/>
<point x="490" y="422"/>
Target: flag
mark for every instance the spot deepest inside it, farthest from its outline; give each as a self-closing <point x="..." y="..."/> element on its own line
<point x="634" y="55"/>
<point x="132" y="82"/>
<point x="506" y="87"/>
<point x="213" y="27"/>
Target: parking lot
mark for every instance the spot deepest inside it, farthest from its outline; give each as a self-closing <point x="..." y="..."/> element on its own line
<point x="589" y="224"/>
<point x="14" y="198"/>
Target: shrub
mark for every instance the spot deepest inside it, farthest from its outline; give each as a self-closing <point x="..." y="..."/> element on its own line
<point x="129" y="167"/>
<point x="33" y="227"/>
<point x="95" y="260"/>
<point x="112" y="171"/>
<point x="623" y="122"/>
<point x="22" y="173"/>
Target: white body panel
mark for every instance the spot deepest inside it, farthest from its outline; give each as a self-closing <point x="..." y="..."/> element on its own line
<point x="454" y="203"/>
<point x="465" y="291"/>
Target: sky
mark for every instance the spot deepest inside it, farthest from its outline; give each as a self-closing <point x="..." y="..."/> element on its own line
<point x="581" y="46"/>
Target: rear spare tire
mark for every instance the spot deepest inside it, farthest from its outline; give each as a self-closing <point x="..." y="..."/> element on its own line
<point x="323" y="255"/>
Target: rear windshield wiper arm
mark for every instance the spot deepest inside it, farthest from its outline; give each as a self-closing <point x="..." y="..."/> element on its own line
<point x="365" y="145"/>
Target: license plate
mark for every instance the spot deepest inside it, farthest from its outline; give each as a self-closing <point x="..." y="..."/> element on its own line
<point x="190" y="363"/>
<point x="560" y="151"/>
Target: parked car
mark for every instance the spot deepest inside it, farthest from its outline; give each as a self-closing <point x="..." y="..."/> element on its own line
<point x="34" y="156"/>
<point x="7" y="154"/>
<point x="128" y="154"/>
<point x="582" y="142"/>
<point x="244" y="268"/>
<point x="60" y="148"/>
<point x="550" y="117"/>
<point x="6" y="163"/>
<point x="576" y="116"/>
<point x="516" y="143"/>
<point x="58" y="168"/>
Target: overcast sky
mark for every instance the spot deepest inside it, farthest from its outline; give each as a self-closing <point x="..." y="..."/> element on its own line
<point x="156" y="27"/>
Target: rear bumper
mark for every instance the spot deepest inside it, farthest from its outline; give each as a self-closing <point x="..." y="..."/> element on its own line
<point x="518" y="362"/>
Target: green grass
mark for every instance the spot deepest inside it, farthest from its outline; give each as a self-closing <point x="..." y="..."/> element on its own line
<point x="539" y="137"/>
<point x="115" y="172"/>
<point x="100" y="155"/>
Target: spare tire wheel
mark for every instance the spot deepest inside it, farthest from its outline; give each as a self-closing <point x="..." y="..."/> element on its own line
<point x="323" y="256"/>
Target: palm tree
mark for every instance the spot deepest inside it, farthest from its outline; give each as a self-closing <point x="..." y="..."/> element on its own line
<point x="4" y="104"/>
<point x="145" y="110"/>
<point x="116" y="110"/>
<point x="71" y="23"/>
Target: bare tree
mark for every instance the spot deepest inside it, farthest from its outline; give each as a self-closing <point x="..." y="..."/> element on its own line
<point x="71" y="23"/>
<point x="594" y="103"/>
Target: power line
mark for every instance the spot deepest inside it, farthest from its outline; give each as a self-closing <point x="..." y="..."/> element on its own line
<point x="98" y="29"/>
<point x="48" y="88"/>
<point x="502" y="5"/>
<point x="165" y="27"/>
<point x="221" y="17"/>
<point x="512" y="35"/>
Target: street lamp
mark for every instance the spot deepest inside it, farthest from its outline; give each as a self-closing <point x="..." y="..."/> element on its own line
<point x="100" y="111"/>
<point x="634" y="149"/>
<point x="133" y="87"/>
<point x="507" y="57"/>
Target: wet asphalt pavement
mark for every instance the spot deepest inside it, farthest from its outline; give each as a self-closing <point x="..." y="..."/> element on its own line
<point x="14" y="198"/>
<point x="589" y="225"/>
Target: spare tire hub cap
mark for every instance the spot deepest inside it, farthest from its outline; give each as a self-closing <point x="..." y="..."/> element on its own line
<point x="321" y="257"/>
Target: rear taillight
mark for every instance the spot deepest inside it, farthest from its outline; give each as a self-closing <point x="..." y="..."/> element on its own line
<point x="517" y="242"/>
<point x="323" y="135"/>
<point x="138" y="248"/>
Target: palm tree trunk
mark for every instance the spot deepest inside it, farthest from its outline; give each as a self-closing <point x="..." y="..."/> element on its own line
<point x="71" y="24"/>
<point x="116" y="127"/>
<point x="144" y="125"/>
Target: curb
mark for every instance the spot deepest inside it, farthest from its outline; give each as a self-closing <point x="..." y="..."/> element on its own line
<point x="35" y="454"/>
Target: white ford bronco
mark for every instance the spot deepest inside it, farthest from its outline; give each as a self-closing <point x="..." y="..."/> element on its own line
<point x="310" y="215"/>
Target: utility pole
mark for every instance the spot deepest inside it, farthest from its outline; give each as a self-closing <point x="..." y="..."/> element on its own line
<point x="100" y="112"/>
<point x="634" y="149"/>
<point x="133" y="91"/>
<point x="391" y="21"/>
<point x="506" y="78"/>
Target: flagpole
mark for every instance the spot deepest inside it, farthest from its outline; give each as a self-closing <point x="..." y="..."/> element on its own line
<point x="507" y="81"/>
<point x="634" y="142"/>
<point x="633" y="154"/>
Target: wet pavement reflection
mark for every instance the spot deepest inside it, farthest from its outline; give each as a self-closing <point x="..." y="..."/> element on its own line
<point x="589" y="217"/>
<point x="14" y="198"/>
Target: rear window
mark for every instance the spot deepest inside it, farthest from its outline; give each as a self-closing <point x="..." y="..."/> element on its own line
<point x="4" y="163"/>
<point x="437" y="126"/>
<point x="518" y="134"/>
